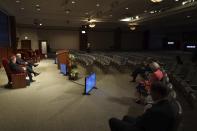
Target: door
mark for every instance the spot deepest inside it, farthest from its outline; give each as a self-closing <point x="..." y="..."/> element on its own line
<point x="26" y="44"/>
<point x="43" y="46"/>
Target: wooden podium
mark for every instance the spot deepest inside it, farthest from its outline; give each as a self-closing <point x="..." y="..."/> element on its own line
<point x="63" y="58"/>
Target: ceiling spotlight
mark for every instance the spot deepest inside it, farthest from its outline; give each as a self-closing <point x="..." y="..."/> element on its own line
<point x="97" y="4"/>
<point x="111" y="15"/>
<point x="26" y="37"/>
<point x="126" y="8"/>
<point x="18" y="1"/>
<point x="137" y="17"/>
<point x="83" y="31"/>
<point x="156" y="1"/>
<point x="37" y="5"/>
<point x="38" y="9"/>
<point x="40" y="24"/>
<point x="92" y="25"/>
<point x="67" y="11"/>
<point x="176" y="0"/>
<point x="22" y="8"/>
<point x="188" y="16"/>
<point x="87" y="13"/>
<point x="73" y="2"/>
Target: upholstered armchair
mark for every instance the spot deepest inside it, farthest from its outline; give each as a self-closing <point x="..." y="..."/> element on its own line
<point x="15" y="80"/>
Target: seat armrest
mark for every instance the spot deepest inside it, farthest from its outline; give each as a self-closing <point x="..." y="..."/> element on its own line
<point x="188" y="81"/>
<point x="19" y="80"/>
<point x="194" y="87"/>
<point x="179" y="74"/>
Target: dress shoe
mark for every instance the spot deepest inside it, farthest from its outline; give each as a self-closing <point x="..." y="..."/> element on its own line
<point x="32" y="80"/>
<point x="36" y="74"/>
<point x="138" y="101"/>
<point x="35" y="65"/>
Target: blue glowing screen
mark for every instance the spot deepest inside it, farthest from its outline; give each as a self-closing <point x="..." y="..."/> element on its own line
<point x="63" y="69"/>
<point x="90" y="82"/>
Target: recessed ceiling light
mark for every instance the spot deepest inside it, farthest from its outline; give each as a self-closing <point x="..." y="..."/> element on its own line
<point x="188" y="16"/>
<point x="38" y="9"/>
<point x="111" y="15"/>
<point x="26" y="37"/>
<point x="87" y="13"/>
<point x="137" y="17"/>
<point x="37" y="5"/>
<point x="67" y="11"/>
<point x="145" y="11"/>
<point x="152" y="12"/>
<point x="126" y="8"/>
<point x="176" y="0"/>
<point x="97" y="4"/>
<point x="83" y="31"/>
<point x="18" y="1"/>
<point x="73" y="2"/>
<point x="22" y="8"/>
<point x="40" y="24"/>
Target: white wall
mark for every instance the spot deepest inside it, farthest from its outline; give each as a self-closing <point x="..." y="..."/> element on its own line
<point x="67" y="39"/>
<point x="60" y="39"/>
<point x="30" y="33"/>
<point x="57" y="39"/>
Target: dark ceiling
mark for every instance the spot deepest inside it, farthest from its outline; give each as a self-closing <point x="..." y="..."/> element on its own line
<point x="107" y="13"/>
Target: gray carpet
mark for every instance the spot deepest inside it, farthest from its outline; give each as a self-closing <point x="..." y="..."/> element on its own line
<point x="53" y="103"/>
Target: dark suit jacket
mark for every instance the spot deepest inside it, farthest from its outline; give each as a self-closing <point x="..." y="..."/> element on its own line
<point x="161" y="117"/>
<point x="20" y="61"/>
<point x="15" y="68"/>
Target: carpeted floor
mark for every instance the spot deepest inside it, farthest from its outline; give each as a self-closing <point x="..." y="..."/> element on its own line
<point x="53" y="103"/>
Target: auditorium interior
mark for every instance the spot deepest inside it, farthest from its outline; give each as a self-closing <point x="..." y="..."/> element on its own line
<point x="72" y="65"/>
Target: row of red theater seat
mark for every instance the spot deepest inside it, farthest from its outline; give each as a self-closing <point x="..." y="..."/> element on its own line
<point x="18" y="80"/>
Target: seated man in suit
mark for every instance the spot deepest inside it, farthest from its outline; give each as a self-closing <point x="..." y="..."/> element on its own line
<point x="28" y="65"/>
<point x="141" y="69"/>
<point x="18" y="69"/>
<point x="144" y="86"/>
<point x="160" y="117"/>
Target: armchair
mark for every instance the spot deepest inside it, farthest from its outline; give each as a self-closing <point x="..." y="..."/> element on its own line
<point x="15" y="80"/>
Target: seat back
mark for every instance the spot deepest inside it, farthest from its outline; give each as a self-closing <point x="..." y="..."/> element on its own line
<point x="178" y="117"/>
<point x="5" y="63"/>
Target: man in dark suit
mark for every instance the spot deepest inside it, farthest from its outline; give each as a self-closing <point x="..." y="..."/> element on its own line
<point x="18" y="69"/>
<point x="141" y="69"/>
<point x="160" y="117"/>
<point x="29" y="66"/>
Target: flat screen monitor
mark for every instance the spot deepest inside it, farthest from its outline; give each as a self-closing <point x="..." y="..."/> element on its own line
<point x="90" y="82"/>
<point x="63" y="69"/>
<point x="4" y="30"/>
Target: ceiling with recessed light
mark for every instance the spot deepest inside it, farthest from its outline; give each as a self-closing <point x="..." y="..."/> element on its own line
<point x="74" y="13"/>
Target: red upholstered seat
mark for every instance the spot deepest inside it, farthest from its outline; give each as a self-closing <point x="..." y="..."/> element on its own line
<point x="16" y="80"/>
